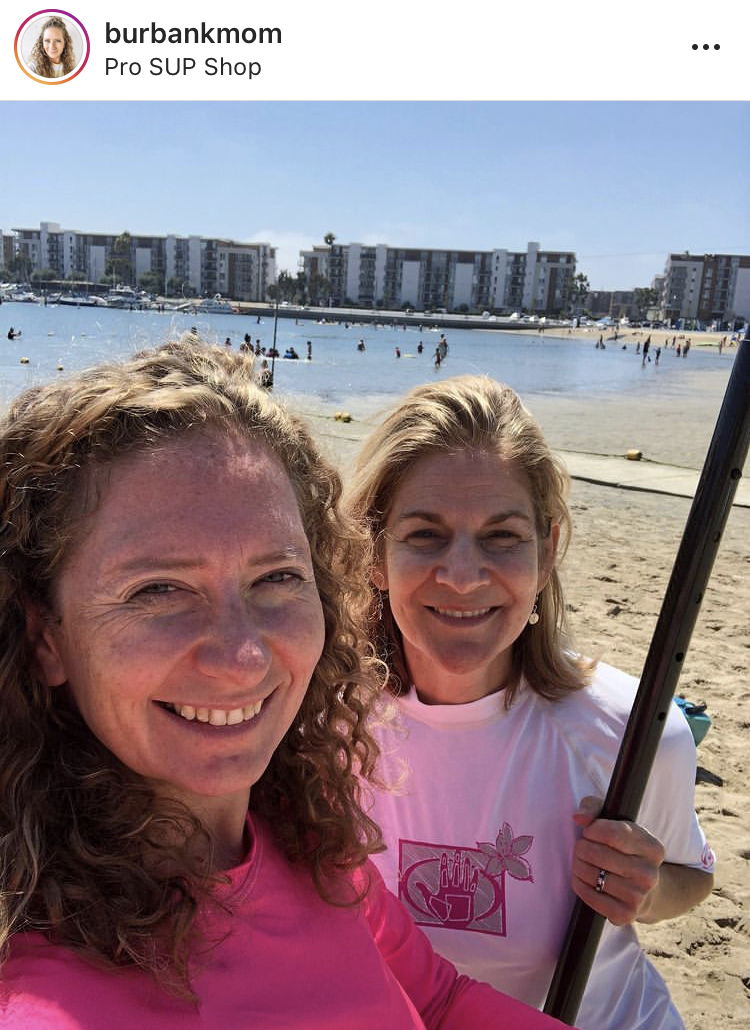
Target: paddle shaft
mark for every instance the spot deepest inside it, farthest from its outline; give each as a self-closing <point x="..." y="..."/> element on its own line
<point x="692" y="568"/>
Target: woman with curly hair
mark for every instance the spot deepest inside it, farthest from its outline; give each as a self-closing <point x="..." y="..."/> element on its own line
<point x="52" y="55"/>
<point x="508" y="735"/>
<point x="184" y="687"/>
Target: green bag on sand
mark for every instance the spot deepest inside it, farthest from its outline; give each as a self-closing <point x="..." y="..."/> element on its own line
<point x="699" y="722"/>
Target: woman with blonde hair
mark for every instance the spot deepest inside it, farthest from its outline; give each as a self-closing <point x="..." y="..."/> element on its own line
<point x="52" y="56"/>
<point x="507" y="737"/>
<point x="184" y="688"/>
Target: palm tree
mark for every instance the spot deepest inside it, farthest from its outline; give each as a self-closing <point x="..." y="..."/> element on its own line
<point x="329" y="240"/>
<point x="119" y="265"/>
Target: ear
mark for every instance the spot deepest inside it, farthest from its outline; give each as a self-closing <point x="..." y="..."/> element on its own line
<point x="40" y="633"/>
<point x="380" y="575"/>
<point x="548" y="556"/>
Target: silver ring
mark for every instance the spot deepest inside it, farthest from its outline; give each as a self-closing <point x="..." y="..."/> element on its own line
<point x="600" y="881"/>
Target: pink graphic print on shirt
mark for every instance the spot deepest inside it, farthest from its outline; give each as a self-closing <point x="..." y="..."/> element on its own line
<point x="462" y="888"/>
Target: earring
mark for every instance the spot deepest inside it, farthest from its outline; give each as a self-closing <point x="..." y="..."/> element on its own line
<point x="534" y="617"/>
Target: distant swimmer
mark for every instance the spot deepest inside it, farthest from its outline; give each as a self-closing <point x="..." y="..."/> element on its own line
<point x="361" y="345"/>
<point x="13" y="334"/>
<point x="398" y="352"/>
<point x="438" y="357"/>
<point x="442" y="347"/>
<point x="309" y="350"/>
<point x="420" y="348"/>
<point x="227" y="342"/>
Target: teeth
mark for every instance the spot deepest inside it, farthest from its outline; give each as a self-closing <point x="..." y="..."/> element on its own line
<point x="453" y="614"/>
<point x="218" y="716"/>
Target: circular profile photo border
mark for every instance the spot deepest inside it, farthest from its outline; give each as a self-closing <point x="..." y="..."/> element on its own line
<point x="39" y="79"/>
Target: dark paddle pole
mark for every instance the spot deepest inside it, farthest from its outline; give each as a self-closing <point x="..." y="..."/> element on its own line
<point x="692" y="568"/>
<point x="275" y="323"/>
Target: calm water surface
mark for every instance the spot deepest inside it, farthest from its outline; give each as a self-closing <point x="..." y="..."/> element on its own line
<point x="78" y="337"/>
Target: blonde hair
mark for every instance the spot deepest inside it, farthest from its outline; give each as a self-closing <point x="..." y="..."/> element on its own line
<point x="81" y="836"/>
<point x="39" y="57"/>
<point x="472" y="413"/>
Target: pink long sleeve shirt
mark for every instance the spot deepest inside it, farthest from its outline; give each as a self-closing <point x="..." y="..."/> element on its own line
<point x="285" y="959"/>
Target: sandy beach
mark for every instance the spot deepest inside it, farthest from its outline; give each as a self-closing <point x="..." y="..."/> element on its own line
<point x="616" y="572"/>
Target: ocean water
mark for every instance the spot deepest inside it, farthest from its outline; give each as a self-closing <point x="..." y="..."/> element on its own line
<point x="338" y="374"/>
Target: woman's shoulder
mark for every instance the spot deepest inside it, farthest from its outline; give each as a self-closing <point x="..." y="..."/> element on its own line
<point x="602" y="709"/>
<point x="608" y="695"/>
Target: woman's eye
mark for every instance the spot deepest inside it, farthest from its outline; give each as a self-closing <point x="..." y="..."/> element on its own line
<point x="281" y="577"/>
<point x="503" y="538"/>
<point x="423" y="538"/>
<point x="154" y="590"/>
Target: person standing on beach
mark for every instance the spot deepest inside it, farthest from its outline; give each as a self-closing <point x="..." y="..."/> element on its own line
<point x="507" y="737"/>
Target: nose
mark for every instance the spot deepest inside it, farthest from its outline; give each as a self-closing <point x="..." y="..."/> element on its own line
<point x="233" y="647"/>
<point x="462" y="566"/>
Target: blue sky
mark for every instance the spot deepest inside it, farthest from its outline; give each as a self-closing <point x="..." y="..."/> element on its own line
<point x="621" y="184"/>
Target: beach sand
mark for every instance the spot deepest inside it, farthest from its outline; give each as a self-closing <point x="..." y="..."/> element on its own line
<point x="615" y="575"/>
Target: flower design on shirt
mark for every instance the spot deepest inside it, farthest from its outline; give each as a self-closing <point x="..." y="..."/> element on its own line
<point x="504" y="856"/>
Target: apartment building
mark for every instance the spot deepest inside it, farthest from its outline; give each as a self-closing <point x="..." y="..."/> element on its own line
<point x="392" y="277"/>
<point x="707" y="287"/>
<point x="241" y="271"/>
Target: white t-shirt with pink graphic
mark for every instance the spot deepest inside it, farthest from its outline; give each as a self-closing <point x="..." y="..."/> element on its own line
<point x="480" y="836"/>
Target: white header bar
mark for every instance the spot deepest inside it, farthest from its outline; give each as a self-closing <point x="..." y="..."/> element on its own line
<point x="388" y="50"/>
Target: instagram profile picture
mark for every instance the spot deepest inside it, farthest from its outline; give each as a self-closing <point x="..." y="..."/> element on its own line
<point x="52" y="47"/>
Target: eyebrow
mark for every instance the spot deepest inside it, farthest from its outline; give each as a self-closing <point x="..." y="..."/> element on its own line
<point x="428" y="516"/>
<point x="147" y="562"/>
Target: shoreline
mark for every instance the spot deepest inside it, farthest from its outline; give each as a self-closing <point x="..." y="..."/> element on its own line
<point x="659" y="337"/>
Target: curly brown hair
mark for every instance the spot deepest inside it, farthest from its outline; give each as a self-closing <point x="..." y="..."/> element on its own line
<point x="39" y="58"/>
<point x="472" y="412"/>
<point x="85" y="844"/>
